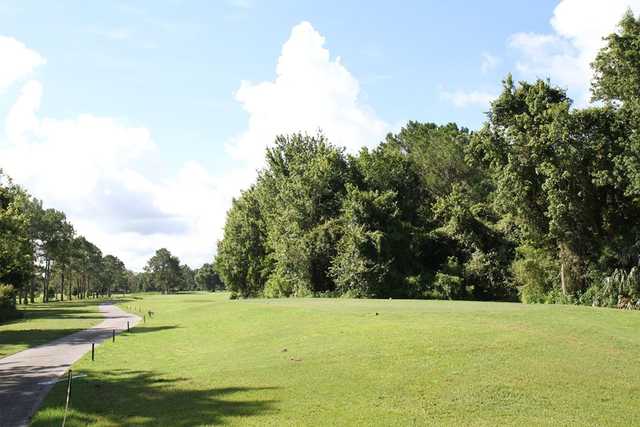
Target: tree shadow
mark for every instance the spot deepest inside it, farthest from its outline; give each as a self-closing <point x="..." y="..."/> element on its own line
<point x="126" y="397"/>
<point x="140" y="329"/>
<point x="36" y="337"/>
<point x="63" y="314"/>
<point x="33" y="337"/>
<point x="53" y="310"/>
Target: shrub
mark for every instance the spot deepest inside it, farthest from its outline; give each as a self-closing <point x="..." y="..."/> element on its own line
<point x="535" y="273"/>
<point x="281" y="285"/>
<point x="449" y="286"/>
<point x="7" y="303"/>
<point x="612" y="289"/>
<point x="486" y="279"/>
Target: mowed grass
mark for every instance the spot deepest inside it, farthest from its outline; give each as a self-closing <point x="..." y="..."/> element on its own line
<point x="42" y="323"/>
<point x="207" y="360"/>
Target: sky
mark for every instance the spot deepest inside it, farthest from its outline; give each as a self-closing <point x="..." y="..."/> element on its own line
<point x="141" y="120"/>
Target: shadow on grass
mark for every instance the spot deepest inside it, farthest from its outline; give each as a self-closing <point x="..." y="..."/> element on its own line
<point x="126" y="397"/>
<point x="52" y="311"/>
<point x="35" y="337"/>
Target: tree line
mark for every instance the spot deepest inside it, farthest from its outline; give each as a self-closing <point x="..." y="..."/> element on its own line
<point x="42" y="258"/>
<point x="541" y="204"/>
<point x="41" y="255"/>
<point x="164" y="273"/>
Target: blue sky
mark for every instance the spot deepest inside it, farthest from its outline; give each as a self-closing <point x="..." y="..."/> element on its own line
<point x="173" y="66"/>
<point x="164" y="78"/>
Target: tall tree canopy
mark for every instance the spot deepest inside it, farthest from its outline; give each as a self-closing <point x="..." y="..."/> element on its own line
<point x="543" y="202"/>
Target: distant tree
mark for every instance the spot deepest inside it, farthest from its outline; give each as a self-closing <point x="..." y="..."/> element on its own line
<point x="52" y="235"/>
<point x="89" y="267"/>
<point x="39" y="246"/>
<point x="164" y="270"/>
<point x="133" y="282"/>
<point x="207" y="278"/>
<point x="115" y="274"/>
<point x="187" y="278"/>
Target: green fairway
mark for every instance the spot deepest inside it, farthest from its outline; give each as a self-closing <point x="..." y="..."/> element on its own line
<point x="205" y="360"/>
<point x="45" y="322"/>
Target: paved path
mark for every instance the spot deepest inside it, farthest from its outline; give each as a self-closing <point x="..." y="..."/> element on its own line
<point x="27" y="377"/>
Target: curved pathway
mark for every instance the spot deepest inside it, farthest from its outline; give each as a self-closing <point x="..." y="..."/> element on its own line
<point x="27" y="377"/>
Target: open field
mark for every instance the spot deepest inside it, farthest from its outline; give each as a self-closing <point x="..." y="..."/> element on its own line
<point x="204" y="360"/>
<point x="45" y="322"/>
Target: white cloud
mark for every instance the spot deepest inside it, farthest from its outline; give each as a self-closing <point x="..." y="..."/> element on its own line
<point x="489" y="62"/>
<point x="461" y="98"/>
<point x="90" y="167"/>
<point x="17" y="61"/>
<point x="21" y="118"/>
<point x="566" y="54"/>
<point x="96" y="169"/>
<point x="310" y="92"/>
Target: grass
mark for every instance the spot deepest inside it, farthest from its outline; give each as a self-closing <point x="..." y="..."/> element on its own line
<point x="46" y="322"/>
<point x="205" y="360"/>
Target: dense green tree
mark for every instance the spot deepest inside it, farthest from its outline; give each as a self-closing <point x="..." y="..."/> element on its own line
<point x="299" y="192"/>
<point x="51" y="236"/>
<point x="89" y="267"/>
<point x="207" y="278"/>
<point x="617" y="66"/>
<point x="114" y="275"/>
<point x="361" y="267"/>
<point x="164" y="270"/>
<point x="241" y="257"/>
<point x="319" y="222"/>
<point x="16" y="250"/>
<point x="555" y="174"/>
<point x="437" y="154"/>
<point x="187" y="278"/>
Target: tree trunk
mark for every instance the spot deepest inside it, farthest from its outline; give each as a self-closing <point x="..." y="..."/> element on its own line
<point x="563" y="282"/>
<point x="32" y="290"/>
<point x="62" y="284"/>
<point x="571" y="270"/>
<point x="45" y="283"/>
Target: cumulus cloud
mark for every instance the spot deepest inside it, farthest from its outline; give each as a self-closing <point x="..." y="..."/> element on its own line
<point x="21" y="118"/>
<point x="311" y="91"/>
<point x="96" y="169"/>
<point x="462" y="99"/>
<point x="18" y="61"/>
<point x="565" y="54"/>
<point x="90" y="167"/>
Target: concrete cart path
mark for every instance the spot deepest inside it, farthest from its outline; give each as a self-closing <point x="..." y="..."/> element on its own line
<point x="27" y="377"/>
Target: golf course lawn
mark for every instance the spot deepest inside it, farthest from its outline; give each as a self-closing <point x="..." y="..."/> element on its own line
<point x="204" y="360"/>
<point x="46" y="322"/>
